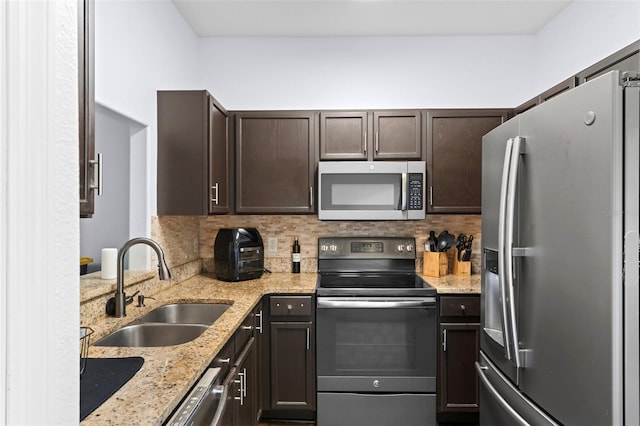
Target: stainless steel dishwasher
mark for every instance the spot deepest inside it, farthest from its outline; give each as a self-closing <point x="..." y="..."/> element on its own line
<point x="206" y="404"/>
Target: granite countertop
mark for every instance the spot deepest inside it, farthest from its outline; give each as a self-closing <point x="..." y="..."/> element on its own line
<point x="169" y="372"/>
<point x="455" y="284"/>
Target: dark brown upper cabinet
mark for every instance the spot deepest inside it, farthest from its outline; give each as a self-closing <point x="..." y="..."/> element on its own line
<point x="90" y="166"/>
<point x="371" y="135"/>
<point x="193" y="154"/>
<point x="626" y="59"/>
<point x="559" y="88"/>
<point x="275" y="161"/>
<point x="454" y="157"/>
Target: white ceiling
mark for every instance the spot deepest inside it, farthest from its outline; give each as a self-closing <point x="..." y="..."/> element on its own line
<point x="326" y="18"/>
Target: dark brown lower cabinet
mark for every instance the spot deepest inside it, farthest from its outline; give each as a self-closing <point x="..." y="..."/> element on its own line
<point x="458" y="390"/>
<point x="288" y="360"/>
<point x="292" y="365"/>
<point x="245" y="387"/>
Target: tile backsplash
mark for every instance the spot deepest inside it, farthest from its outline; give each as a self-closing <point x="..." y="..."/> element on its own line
<point x="308" y="228"/>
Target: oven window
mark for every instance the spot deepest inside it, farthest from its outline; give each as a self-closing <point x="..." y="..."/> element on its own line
<point x="380" y="342"/>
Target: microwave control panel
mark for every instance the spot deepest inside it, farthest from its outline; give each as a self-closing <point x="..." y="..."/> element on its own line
<point x="415" y="191"/>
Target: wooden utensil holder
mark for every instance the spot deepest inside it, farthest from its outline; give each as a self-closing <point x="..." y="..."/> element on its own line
<point x="435" y="264"/>
<point x="461" y="267"/>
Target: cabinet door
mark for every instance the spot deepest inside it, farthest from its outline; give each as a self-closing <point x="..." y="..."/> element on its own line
<point x="86" y="107"/>
<point x="397" y="135"/>
<point x="343" y="135"/>
<point x="292" y="365"/>
<point x="245" y="391"/>
<point x="183" y="152"/>
<point x="458" y="381"/>
<point x="275" y="162"/>
<point x="454" y="157"/>
<point x="627" y="59"/>
<point x="219" y="181"/>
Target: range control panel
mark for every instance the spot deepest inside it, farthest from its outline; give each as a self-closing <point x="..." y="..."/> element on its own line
<point x="369" y="247"/>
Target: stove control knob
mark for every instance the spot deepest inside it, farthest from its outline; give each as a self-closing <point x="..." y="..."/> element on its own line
<point x="401" y="248"/>
<point x="409" y="247"/>
<point x="376" y="383"/>
<point x="333" y="247"/>
<point x="324" y="247"/>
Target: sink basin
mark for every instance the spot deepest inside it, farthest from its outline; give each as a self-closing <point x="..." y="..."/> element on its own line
<point x="185" y="313"/>
<point x="152" y="334"/>
<point x="166" y="325"/>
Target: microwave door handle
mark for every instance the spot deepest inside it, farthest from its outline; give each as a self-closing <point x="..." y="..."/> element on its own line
<point x="501" y="249"/>
<point x="509" y="230"/>
<point x="403" y="201"/>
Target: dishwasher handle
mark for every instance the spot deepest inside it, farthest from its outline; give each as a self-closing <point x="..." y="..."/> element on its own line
<point x="223" y="390"/>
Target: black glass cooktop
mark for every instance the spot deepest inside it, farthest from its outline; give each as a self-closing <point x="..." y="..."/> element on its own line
<point x="375" y="283"/>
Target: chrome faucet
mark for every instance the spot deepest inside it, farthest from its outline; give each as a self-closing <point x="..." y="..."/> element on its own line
<point x="163" y="271"/>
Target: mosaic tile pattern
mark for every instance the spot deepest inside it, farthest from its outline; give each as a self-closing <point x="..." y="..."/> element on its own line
<point x="308" y="229"/>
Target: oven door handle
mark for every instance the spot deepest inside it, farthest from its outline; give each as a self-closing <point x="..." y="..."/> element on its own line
<point x="375" y="304"/>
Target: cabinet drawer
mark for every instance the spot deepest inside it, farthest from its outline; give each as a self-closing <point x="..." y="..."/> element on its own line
<point x="243" y="333"/>
<point x="460" y="306"/>
<point x="291" y="306"/>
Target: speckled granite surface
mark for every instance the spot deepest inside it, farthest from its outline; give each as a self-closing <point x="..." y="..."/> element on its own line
<point x="169" y="372"/>
<point x="457" y="284"/>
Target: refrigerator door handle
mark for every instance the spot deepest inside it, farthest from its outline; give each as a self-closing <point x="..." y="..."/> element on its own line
<point x="501" y="248"/>
<point x="496" y="395"/>
<point x="508" y="242"/>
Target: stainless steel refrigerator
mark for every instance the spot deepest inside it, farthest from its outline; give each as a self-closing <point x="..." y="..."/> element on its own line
<point x="560" y="221"/>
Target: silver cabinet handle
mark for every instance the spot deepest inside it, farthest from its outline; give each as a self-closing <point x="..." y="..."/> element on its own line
<point x="246" y="327"/>
<point x="444" y="340"/>
<point x="214" y="199"/>
<point x="377" y="144"/>
<point x="97" y="173"/>
<point x="496" y="395"/>
<point x="308" y="338"/>
<point x="431" y="195"/>
<point x="311" y="196"/>
<point x="259" y="327"/>
<point x="224" y="360"/>
<point x="365" y="143"/>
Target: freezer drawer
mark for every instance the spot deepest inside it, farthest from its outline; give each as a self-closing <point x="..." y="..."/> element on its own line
<point x="503" y="404"/>
<point x="348" y="409"/>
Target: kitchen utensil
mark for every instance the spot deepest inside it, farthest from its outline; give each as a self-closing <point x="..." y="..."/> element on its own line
<point x="445" y="241"/>
<point x="432" y="241"/>
<point x="467" y="252"/>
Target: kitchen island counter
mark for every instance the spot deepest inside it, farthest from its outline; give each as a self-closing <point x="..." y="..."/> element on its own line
<point x="169" y="372"/>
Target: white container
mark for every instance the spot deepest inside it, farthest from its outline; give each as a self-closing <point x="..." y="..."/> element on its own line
<point x="109" y="265"/>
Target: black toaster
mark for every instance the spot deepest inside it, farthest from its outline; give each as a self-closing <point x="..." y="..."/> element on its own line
<point x="238" y="254"/>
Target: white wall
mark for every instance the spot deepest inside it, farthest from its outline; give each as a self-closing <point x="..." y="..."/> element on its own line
<point x="39" y="284"/>
<point x="581" y="35"/>
<point x="142" y="46"/>
<point x="109" y="226"/>
<point x="366" y="72"/>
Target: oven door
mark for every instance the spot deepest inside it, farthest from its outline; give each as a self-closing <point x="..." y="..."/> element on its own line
<point x="380" y="345"/>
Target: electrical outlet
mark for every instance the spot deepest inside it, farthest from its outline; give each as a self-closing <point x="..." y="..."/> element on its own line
<point x="273" y="244"/>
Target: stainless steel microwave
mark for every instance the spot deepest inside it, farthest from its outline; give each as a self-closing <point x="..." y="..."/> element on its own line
<point x="371" y="190"/>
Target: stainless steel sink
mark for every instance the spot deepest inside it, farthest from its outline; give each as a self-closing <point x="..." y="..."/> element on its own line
<point x="152" y="334"/>
<point x="185" y="313"/>
<point x="166" y="325"/>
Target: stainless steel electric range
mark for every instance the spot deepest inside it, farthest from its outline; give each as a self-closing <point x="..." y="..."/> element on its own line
<point x="376" y="334"/>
